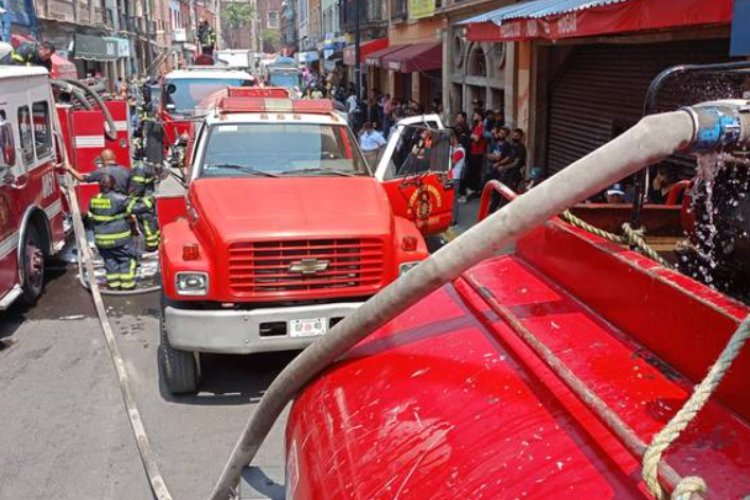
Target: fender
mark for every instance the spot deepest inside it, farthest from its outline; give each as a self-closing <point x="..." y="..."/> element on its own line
<point x="174" y="237"/>
<point x="26" y="221"/>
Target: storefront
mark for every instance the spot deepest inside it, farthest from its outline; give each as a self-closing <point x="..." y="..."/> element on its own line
<point x="95" y="56"/>
<point x="581" y="70"/>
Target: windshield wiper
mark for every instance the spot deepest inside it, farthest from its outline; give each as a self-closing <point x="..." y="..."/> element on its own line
<point x="242" y="168"/>
<point x="330" y="171"/>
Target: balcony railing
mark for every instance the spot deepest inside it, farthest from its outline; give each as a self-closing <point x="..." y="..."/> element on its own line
<point x="371" y="12"/>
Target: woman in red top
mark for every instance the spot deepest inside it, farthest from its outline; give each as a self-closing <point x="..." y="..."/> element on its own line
<point x="473" y="174"/>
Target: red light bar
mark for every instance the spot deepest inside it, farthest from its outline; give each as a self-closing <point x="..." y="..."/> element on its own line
<point x="319" y="106"/>
<point x="273" y="105"/>
<point x="275" y="92"/>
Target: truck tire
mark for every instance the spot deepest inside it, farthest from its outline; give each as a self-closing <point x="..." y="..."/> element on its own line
<point x="180" y="369"/>
<point x="32" y="262"/>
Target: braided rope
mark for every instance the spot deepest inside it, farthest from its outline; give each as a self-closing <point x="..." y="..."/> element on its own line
<point x="701" y="394"/>
<point x="635" y="238"/>
<point x="632" y="237"/>
<point x="578" y="222"/>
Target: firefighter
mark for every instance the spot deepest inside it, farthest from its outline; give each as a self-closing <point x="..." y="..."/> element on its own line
<point x="113" y="234"/>
<point x="206" y="37"/>
<point x="107" y="163"/>
<point x="31" y="54"/>
<point x="141" y="202"/>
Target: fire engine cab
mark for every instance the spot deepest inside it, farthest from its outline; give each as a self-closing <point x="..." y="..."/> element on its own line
<point x="31" y="207"/>
<point x="286" y="228"/>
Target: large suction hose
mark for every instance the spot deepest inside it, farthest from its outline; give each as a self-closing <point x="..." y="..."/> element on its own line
<point x="110" y="130"/>
<point x="74" y="91"/>
<point x="651" y="140"/>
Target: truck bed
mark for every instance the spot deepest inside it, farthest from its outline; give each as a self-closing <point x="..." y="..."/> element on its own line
<point x="448" y="400"/>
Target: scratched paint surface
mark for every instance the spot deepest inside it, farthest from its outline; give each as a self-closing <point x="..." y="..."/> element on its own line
<point x="448" y="402"/>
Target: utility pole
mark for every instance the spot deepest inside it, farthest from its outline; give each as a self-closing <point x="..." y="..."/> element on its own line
<point x="357" y="51"/>
<point x="217" y="12"/>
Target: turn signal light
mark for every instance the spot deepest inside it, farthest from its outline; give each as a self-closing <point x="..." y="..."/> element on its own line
<point x="191" y="252"/>
<point x="409" y="243"/>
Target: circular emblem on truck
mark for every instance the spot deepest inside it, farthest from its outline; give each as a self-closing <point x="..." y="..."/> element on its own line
<point x="424" y="199"/>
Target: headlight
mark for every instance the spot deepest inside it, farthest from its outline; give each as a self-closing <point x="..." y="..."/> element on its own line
<point x="406" y="267"/>
<point x="194" y="284"/>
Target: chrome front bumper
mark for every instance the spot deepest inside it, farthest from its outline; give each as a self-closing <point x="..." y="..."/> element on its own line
<point x="239" y="332"/>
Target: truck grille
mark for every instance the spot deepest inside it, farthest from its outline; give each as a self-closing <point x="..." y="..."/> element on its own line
<point x="300" y="266"/>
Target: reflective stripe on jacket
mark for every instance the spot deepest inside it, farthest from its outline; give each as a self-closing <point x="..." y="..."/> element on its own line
<point x="108" y="214"/>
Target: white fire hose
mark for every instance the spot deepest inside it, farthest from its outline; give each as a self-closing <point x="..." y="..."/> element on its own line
<point x="702" y="128"/>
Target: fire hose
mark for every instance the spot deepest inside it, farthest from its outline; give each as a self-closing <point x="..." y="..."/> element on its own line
<point x="110" y="130"/>
<point x="702" y="128"/>
<point x="143" y="444"/>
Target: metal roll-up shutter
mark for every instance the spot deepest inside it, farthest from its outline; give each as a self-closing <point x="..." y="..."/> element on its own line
<point x="600" y="92"/>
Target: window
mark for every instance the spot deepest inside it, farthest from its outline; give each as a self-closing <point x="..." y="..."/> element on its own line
<point x="7" y="144"/>
<point x="273" y="19"/>
<point x="42" y="133"/>
<point x="26" y="134"/>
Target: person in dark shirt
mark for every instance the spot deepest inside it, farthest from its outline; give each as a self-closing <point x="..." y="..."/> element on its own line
<point x="109" y="167"/>
<point x="511" y="169"/>
<point x="31" y="54"/>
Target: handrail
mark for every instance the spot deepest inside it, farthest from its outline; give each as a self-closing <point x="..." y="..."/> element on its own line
<point x="490" y="188"/>
<point x="676" y="191"/>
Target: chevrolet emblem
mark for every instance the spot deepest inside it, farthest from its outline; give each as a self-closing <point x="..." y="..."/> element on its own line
<point x="308" y="267"/>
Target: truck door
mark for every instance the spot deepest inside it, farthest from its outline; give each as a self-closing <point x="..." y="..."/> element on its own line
<point x="413" y="167"/>
<point x="10" y="167"/>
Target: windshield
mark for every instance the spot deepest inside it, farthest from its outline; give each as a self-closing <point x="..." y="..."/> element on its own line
<point x="286" y="80"/>
<point x="281" y="149"/>
<point x="189" y="92"/>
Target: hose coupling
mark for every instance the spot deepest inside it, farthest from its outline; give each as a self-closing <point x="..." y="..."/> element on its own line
<point x="718" y="125"/>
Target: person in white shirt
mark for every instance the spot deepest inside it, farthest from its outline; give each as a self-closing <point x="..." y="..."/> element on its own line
<point x="370" y="139"/>
<point x="351" y="108"/>
<point x="458" y="160"/>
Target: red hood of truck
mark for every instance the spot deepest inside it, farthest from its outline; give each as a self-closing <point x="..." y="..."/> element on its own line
<point x="309" y="207"/>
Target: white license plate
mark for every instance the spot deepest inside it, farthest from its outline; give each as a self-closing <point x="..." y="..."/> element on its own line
<point x="308" y="327"/>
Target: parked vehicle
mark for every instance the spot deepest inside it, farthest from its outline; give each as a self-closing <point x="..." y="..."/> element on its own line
<point x="286" y="231"/>
<point x="31" y="209"/>
<point x="184" y="89"/>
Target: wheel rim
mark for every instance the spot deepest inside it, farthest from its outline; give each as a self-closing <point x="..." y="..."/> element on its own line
<point x="33" y="265"/>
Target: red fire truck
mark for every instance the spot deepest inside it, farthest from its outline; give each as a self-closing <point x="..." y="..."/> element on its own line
<point x="31" y="208"/>
<point x="285" y="229"/>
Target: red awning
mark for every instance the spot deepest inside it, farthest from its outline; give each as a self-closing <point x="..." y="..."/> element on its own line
<point x="417" y="57"/>
<point x="365" y="49"/>
<point x="376" y="58"/>
<point x="559" y="19"/>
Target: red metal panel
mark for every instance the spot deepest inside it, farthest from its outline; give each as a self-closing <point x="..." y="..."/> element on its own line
<point x="681" y="321"/>
<point x="87" y="138"/>
<point x="121" y="146"/>
<point x="170" y="209"/>
<point x="632" y="16"/>
<point x="447" y="401"/>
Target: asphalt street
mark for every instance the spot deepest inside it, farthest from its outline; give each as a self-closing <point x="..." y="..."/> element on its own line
<point x="63" y="428"/>
<point x="64" y="432"/>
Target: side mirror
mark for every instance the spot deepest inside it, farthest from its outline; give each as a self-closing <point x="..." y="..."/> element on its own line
<point x="171" y="88"/>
